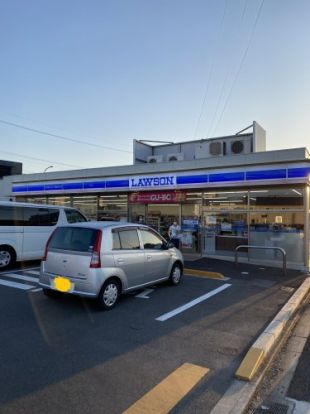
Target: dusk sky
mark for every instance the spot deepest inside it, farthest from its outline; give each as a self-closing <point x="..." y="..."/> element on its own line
<point x="107" y="72"/>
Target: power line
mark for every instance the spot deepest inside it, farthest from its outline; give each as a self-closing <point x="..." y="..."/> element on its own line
<point x="210" y="71"/>
<point x="40" y="159"/>
<point x="227" y="74"/>
<point x="77" y="141"/>
<point x="241" y="64"/>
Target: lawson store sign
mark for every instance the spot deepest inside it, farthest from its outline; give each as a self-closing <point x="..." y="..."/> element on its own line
<point x="167" y="181"/>
<point x="153" y="182"/>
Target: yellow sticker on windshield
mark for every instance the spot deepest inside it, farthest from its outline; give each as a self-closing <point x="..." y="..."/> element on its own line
<point x="62" y="284"/>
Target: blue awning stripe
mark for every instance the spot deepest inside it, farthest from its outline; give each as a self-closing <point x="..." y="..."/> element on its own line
<point x="73" y="186"/>
<point x="230" y="176"/>
<point x="235" y="176"/>
<point x="117" y="184"/>
<point x="266" y="174"/>
<point x="192" y="179"/>
<point x="20" y="189"/>
<point x="94" y="184"/>
<point x="298" y="172"/>
<point x="37" y="187"/>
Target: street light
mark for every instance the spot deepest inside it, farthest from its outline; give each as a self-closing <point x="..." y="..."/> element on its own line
<point x="50" y="166"/>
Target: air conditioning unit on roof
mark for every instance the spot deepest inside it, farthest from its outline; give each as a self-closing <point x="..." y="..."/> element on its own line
<point x="239" y="145"/>
<point x="178" y="156"/>
<point x="155" y="158"/>
<point x="216" y="148"/>
<point x="208" y="149"/>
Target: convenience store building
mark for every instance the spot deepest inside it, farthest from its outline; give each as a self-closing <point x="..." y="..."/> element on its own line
<point x="223" y="191"/>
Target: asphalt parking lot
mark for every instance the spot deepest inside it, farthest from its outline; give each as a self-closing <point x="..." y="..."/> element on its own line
<point x="64" y="355"/>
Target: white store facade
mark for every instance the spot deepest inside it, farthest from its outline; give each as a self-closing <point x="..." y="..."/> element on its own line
<point x="223" y="192"/>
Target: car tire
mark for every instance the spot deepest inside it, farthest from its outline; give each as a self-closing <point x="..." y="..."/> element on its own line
<point x="176" y="274"/>
<point x="7" y="257"/>
<point x="109" y="294"/>
<point x="50" y="293"/>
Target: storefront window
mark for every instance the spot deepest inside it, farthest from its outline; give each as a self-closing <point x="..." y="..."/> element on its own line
<point x="59" y="201"/>
<point x="35" y="200"/>
<point x="226" y="200"/>
<point x="113" y="207"/>
<point x="277" y="199"/>
<point x="137" y="213"/>
<point x="87" y="204"/>
<point x="277" y="229"/>
<point x="161" y="216"/>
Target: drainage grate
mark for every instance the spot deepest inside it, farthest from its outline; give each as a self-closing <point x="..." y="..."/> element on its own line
<point x="272" y="408"/>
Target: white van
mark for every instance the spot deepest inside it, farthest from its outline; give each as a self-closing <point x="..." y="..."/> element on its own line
<point x="25" y="229"/>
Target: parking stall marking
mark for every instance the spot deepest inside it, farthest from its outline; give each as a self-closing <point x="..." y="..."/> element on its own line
<point x="32" y="272"/>
<point x="192" y="303"/>
<point x="164" y="396"/>
<point x="16" y="285"/>
<point x="144" y="294"/>
<point x="22" y="275"/>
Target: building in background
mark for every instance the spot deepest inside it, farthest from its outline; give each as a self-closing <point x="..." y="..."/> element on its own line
<point x="223" y="191"/>
<point x="10" y="168"/>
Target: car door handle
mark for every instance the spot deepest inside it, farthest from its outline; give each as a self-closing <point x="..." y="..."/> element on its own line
<point x="148" y="257"/>
<point x="120" y="261"/>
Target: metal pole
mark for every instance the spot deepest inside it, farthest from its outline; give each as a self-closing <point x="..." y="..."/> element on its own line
<point x="241" y="246"/>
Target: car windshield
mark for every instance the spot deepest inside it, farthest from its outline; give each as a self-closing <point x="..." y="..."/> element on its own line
<point x="77" y="239"/>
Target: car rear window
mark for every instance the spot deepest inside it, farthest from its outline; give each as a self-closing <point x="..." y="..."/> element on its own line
<point x="77" y="239"/>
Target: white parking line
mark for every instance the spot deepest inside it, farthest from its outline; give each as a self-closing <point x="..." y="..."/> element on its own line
<point x="21" y="277"/>
<point x="192" y="303"/>
<point x="15" y="285"/>
<point x="32" y="272"/>
<point x="143" y="295"/>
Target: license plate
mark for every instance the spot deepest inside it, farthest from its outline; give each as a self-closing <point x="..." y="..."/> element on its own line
<point x="62" y="284"/>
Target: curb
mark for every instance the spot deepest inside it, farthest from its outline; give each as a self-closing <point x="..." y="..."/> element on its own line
<point x="265" y="342"/>
<point x="239" y="394"/>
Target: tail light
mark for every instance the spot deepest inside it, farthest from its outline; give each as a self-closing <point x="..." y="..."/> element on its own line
<point x="95" y="261"/>
<point x="46" y="246"/>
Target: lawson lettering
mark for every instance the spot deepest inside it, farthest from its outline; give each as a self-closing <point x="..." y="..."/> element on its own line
<point x="152" y="181"/>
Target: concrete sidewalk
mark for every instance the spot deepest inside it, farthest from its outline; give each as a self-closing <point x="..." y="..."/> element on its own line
<point x="286" y="386"/>
<point x="298" y="386"/>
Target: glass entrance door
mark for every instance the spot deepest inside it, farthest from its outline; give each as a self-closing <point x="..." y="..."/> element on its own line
<point x="223" y="232"/>
<point x="190" y="225"/>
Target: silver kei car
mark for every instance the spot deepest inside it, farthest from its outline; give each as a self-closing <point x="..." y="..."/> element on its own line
<point x="101" y="260"/>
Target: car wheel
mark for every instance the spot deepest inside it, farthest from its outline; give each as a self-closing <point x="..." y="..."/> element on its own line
<point x="109" y="294"/>
<point x="7" y="257"/>
<point x="176" y="274"/>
